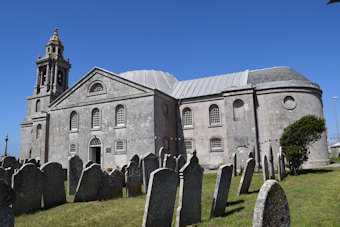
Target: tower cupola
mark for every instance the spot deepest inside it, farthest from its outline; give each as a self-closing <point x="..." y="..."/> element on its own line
<point x="54" y="47"/>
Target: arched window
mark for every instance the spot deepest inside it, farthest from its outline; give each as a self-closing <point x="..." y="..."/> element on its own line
<point x="120" y="115"/>
<point x="37" y="106"/>
<point x="216" y="144"/>
<point x="60" y="78"/>
<point x="74" y="121"/>
<point x="95" y="141"/>
<point x="73" y="148"/>
<point x="188" y="144"/>
<point x="39" y="130"/>
<point x="96" y="87"/>
<point x="238" y="109"/>
<point x="187" y="117"/>
<point x="95" y="118"/>
<point x="119" y="146"/>
<point x="214" y="114"/>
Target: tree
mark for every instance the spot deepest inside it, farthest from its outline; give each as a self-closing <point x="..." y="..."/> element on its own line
<point x="298" y="136"/>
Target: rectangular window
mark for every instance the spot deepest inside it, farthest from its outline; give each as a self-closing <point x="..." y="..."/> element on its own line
<point x="216" y="144"/>
<point x="119" y="147"/>
<point x="188" y="145"/>
<point x="73" y="148"/>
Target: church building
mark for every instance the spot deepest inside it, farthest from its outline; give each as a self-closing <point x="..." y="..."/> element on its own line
<point x="107" y="117"/>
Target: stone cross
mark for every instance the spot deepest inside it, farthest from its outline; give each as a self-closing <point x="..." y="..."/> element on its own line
<point x="169" y="162"/>
<point x="28" y="186"/>
<point x="247" y="175"/>
<point x="234" y="165"/>
<point x="6" y="198"/>
<point x="271" y="163"/>
<point x="271" y="207"/>
<point x="149" y="164"/>
<point x="222" y="187"/>
<point x="265" y="168"/>
<point x="74" y="170"/>
<point x="190" y="193"/>
<point x="160" y="199"/>
<point x="133" y="180"/>
<point x="53" y="185"/>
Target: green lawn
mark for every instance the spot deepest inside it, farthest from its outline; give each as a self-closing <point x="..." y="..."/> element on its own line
<point x="335" y="159"/>
<point x="313" y="197"/>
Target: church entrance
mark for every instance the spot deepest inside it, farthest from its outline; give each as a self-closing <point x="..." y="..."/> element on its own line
<point x="95" y="150"/>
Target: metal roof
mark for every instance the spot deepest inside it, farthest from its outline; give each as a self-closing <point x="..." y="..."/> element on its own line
<point x="208" y="85"/>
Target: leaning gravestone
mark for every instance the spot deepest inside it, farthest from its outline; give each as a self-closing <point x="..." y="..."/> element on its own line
<point x="53" y="185"/>
<point x="271" y="163"/>
<point x="247" y="175"/>
<point x="265" y="169"/>
<point x="149" y="164"/>
<point x="189" y="204"/>
<point x="234" y="165"/>
<point x="161" y="154"/>
<point x="116" y="184"/>
<point x="28" y="185"/>
<point x="169" y="162"/>
<point x="10" y="161"/>
<point x="88" y="164"/>
<point x="180" y="162"/>
<point x="222" y="187"/>
<point x="89" y="184"/>
<point x="271" y="207"/>
<point x="75" y="168"/>
<point x="6" y="198"/>
<point x="133" y="180"/>
<point x="161" y="197"/>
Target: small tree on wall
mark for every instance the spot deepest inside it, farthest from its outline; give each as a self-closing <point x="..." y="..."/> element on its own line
<point x="298" y="136"/>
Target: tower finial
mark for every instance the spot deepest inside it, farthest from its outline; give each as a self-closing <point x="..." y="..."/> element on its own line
<point x="6" y="139"/>
<point x="55" y="31"/>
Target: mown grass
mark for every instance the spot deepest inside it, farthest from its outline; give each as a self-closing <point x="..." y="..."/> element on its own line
<point x="313" y="197"/>
<point x="335" y="159"/>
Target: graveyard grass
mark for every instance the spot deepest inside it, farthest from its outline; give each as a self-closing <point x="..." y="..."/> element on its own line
<point x="313" y="198"/>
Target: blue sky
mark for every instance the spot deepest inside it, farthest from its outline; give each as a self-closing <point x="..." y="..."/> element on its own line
<point x="188" y="39"/>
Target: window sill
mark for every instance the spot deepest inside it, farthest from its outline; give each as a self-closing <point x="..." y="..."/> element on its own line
<point x="119" y="153"/>
<point x="215" y="125"/>
<point x="73" y="131"/>
<point x="213" y="151"/>
<point x="187" y="127"/>
<point x="96" y="129"/>
<point x="120" y="126"/>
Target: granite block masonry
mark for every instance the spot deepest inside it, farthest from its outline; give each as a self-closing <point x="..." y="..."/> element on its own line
<point x="222" y="187"/>
<point x="271" y="207"/>
<point x="53" y="185"/>
<point x="28" y="186"/>
<point x="247" y="175"/>
<point x="74" y="170"/>
<point x="190" y="193"/>
<point x="150" y="163"/>
<point x="161" y="197"/>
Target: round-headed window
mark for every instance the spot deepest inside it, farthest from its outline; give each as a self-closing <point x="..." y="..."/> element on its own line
<point x="289" y="103"/>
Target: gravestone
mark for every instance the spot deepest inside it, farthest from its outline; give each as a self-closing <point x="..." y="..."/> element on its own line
<point x="74" y="170"/>
<point x="123" y="170"/>
<point x="234" y="165"/>
<point x="116" y="184"/>
<point x="6" y="174"/>
<point x="10" y="161"/>
<point x="89" y="184"/>
<point x="271" y="207"/>
<point x="161" y="155"/>
<point x="33" y="161"/>
<point x="222" y="187"/>
<point x="133" y="180"/>
<point x="140" y="164"/>
<point x="180" y="162"/>
<point x="149" y="164"/>
<point x="161" y="197"/>
<point x="247" y="175"/>
<point x="271" y="163"/>
<point x="135" y="158"/>
<point x="265" y="168"/>
<point x="283" y="164"/>
<point x="189" y="204"/>
<point x="88" y="164"/>
<point x="279" y="168"/>
<point x="104" y="192"/>
<point x="169" y="162"/>
<point x="53" y="185"/>
<point x="28" y="185"/>
<point x="6" y="198"/>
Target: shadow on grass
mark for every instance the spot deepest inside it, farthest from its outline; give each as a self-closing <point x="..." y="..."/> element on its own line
<point x="306" y="171"/>
<point x="255" y="191"/>
<point x="232" y="211"/>
<point x="235" y="202"/>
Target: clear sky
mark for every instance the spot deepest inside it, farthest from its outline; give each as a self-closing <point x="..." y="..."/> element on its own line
<point x="188" y="39"/>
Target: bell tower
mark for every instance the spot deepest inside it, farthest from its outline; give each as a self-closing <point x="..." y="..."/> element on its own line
<point x="52" y="70"/>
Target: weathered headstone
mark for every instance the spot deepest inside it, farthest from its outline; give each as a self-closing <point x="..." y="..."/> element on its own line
<point x="10" y="161"/>
<point x="53" y="185"/>
<point x="74" y="170"/>
<point x="133" y="180"/>
<point x="135" y="158"/>
<point x="222" y="187"/>
<point x="247" y="175"/>
<point x="279" y="168"/>
<point x="189" y="204"/>
<point x="271" y="163"/>
<point x="265" y="168"/>
<point x="6" y="199"/>
<point x="89" y="184"/>
<point x="6" y="174"/>
<point x="161" y="154"/>
<point x="116" y="184"/>
<point x="271" y="207"/>
<point x="161" y="197"/>
<point x="283" y="164"/>
<point x="123" y="170"/>
<point x="104" y="192"/>
<point x="33" y="161"/>
<point x="88" y="164"/>
<point x="149" y="164"/>
<point x="180" y="162"/>
<point x="169" y="162"/>
<point x="234" y="165"/>
<point x="28" y="185"/>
